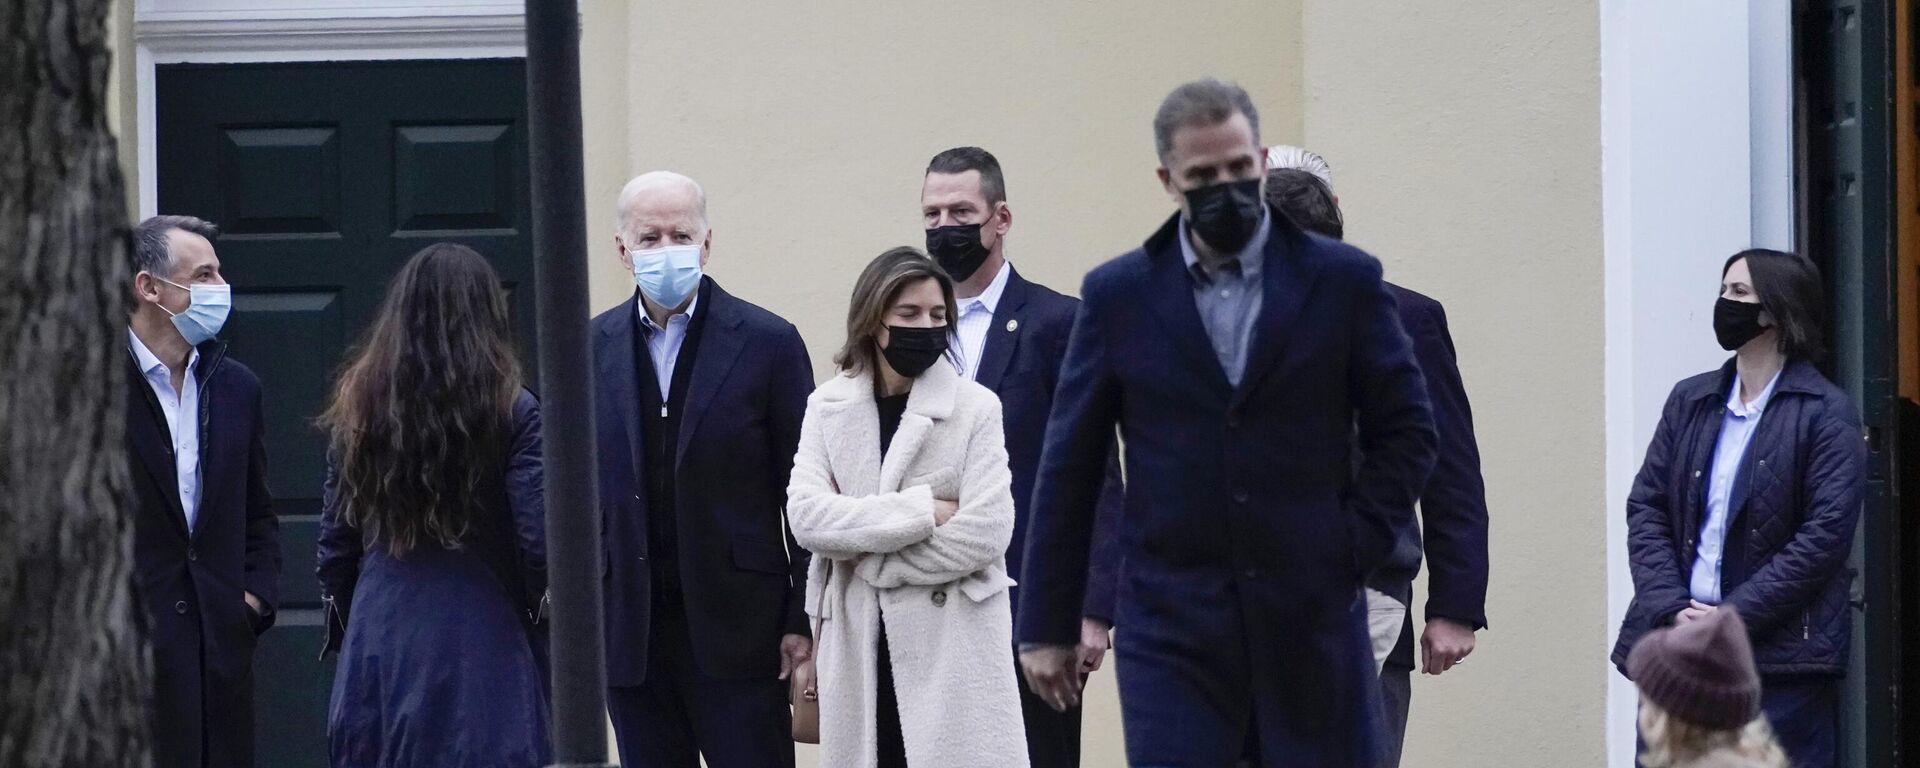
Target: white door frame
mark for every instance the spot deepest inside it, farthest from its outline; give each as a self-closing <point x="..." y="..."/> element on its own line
<point x="1697" y="163"/>
<point x="251" y="31"/>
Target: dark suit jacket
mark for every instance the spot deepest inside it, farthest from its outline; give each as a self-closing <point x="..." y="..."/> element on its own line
<point x="1021" y="364"/>
<point x="1453" y="506"/>
<point x="192" y="583"/>
<point x="743" y="576"/>
<point x="1246" y="527"/>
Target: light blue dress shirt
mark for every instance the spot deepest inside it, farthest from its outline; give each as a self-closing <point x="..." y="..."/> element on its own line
<point x="1737" y="425"/>
<point x="182" y="412"/>
<point x="663" y="345"/>
<point x="1229" y="298"/>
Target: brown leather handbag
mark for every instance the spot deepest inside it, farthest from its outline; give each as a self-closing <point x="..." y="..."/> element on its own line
<point x="805" y="694"/>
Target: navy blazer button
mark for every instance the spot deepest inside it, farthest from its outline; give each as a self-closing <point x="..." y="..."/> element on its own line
<point x="180" y="607"/>
<point x="1251" y="573"/>
<point x="939" y="599"/>
<point x="193" y="555"/>
<point x="1240" y="497"/>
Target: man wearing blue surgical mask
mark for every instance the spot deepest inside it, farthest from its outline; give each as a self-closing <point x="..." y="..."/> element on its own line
<point x="699" y="397"/>
<point x="206" y="550"/>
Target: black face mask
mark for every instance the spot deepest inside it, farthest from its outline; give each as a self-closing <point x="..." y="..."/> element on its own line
<point x="1736" y="322"/>
<point x="911" y="351"/>
<point x="958" y="250"/>
<point x="1226" y="215"/>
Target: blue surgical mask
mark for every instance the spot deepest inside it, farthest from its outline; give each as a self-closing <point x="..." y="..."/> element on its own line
<point x="668" y="275"/>
<point x="206" y="312"/>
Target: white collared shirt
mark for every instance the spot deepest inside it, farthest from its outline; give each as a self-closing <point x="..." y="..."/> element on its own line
<point x="976" y="318"/>
<point x="1737" y="424"/>
<point x="663" y="344"/>
<point x="182" y="411"/>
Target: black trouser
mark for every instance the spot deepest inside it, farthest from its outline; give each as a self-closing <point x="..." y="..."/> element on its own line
<point x="1396" y="693"/>
<point x="1804" y="711"/>
<point x="1053" y="737"/>
<point x="680" y="714"/>
<point x="892" y="751"/>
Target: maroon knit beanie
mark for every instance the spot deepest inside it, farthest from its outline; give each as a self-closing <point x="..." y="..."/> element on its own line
<point x="1701" y="672"/>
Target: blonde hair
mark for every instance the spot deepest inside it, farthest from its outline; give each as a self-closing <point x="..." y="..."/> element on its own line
<point x="1676" y="743"/>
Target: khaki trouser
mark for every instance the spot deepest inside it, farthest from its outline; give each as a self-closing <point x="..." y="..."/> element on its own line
<point x="1385" y="618"/>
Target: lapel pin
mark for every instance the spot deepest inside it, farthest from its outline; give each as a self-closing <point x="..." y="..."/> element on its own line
<point x="1013" y="325"/>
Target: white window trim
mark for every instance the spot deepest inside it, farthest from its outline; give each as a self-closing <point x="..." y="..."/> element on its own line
<point x="227" y="31"/>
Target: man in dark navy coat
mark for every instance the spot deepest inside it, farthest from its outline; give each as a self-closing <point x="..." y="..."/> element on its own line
<point x="1237" y="353"/>
<point x="699" y="397"/>
<point x="206" y="552"/>
<point x="1453" y="506"/>
<point x="1011" y="337"/>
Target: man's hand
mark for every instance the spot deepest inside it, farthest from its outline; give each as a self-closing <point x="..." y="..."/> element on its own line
<point x="794" y="651"/>
<point x="1695" y="609"/>
<point x="1051" y="674"/>
<point x="944" y="510"/>
<point x="259" y="609"/>
<point x="1094" y="642"/>
<point x="1444" y="644"/>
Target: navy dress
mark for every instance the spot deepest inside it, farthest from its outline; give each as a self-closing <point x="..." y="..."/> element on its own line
<point x="443" y="656"/>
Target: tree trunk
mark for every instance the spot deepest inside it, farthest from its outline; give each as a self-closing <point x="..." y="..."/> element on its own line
<point x="74" y="661"/>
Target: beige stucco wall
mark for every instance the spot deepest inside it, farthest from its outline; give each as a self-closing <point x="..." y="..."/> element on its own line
<point x="810" y="128"/>
<point x="1465" y="144"/>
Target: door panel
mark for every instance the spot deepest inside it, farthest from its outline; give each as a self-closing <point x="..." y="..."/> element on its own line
<point x="325" y="178"/>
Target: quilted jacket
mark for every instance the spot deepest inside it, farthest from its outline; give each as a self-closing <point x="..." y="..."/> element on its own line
<point x="1795" y="504"/>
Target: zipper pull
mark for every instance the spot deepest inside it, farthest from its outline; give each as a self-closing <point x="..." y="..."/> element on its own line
<point x="663" y="410"/>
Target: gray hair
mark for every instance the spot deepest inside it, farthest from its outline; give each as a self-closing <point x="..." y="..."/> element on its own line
<point x="653" y="178"/>
<point x="150" y="252"/>
<point x="1201" y="103"/>
<point x="1284" y="156"/>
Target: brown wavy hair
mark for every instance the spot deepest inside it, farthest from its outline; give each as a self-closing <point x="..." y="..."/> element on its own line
<point x="422" y="414"/>
<point x="879" y="285"/>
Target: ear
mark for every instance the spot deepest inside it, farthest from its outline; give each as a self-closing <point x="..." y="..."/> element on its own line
<point x="706" y="248"/>
<point x="1003" y="220"/>
<point x="626" y="258"/>
<point x="1166" y="182"/>
<point x="145" y="288"/>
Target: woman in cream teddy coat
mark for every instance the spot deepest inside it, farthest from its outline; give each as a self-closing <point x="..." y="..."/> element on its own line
<point x="883" y="562"/>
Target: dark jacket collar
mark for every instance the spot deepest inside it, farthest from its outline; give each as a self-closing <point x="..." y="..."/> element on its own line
<point x="1799" y="377"/>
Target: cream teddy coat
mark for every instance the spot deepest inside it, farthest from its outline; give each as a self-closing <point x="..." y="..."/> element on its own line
<point x="869" y="521"/>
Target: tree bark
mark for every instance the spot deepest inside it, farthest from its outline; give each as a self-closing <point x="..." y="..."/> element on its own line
<point x="74" y="660"/>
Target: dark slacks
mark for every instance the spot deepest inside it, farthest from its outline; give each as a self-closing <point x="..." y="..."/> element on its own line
<point x="890" y="743"/>
<point x="1805" y="714"/>
<point x="1053" y="738"/>
<point x="1396" y="693"/>
<point x="681" y="714"/>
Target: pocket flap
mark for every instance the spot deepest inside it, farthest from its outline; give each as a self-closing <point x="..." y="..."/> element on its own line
<point x="757" y="555"/>
<point x="986" y="583"/>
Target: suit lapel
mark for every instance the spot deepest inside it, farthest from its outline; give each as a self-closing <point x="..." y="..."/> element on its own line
<point x="617" y="368"/>
<point x="720" y="346"/>
<point x="1289" y="271"/>
<point x="1169" y="293"/>
<point x="147" y="432"/>
<point x="1004" y="335"/>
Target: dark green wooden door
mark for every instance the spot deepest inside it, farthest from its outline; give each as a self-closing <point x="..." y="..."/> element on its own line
<point x="1846" y="68"/>
<point x="325" y="177"/>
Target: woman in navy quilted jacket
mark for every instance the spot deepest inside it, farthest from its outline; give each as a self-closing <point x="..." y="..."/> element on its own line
<point x="1749" y="498"/>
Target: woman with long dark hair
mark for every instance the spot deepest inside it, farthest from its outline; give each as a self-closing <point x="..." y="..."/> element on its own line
<point x="432" y="555"/>
<point x="1749" y="498"/>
